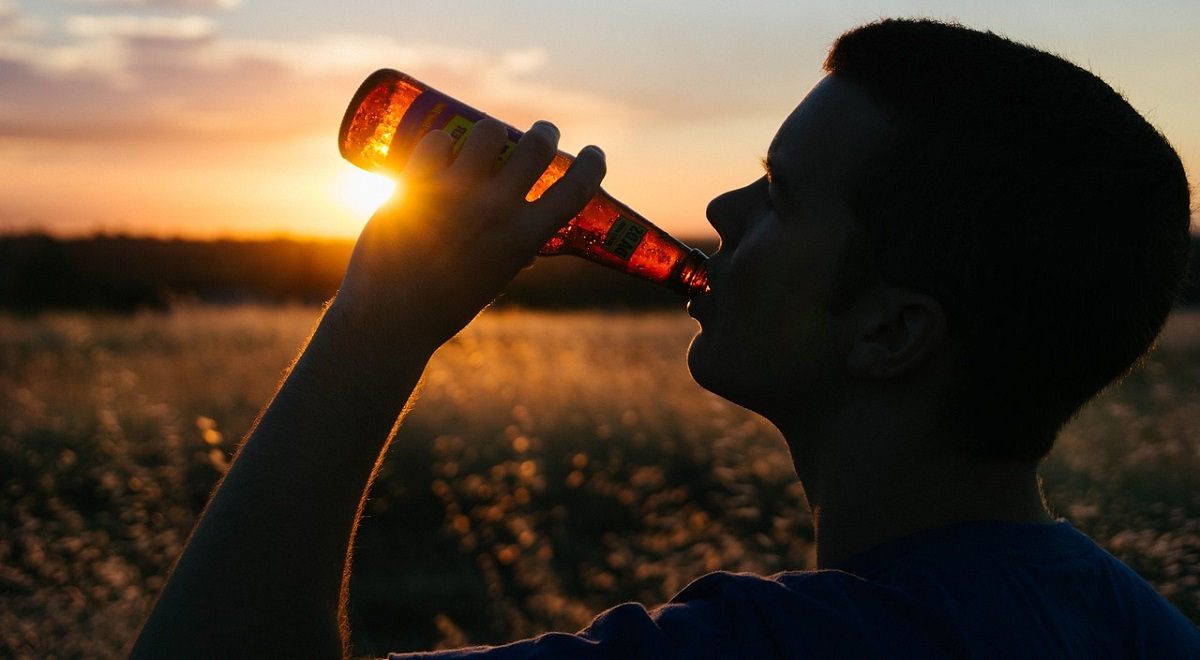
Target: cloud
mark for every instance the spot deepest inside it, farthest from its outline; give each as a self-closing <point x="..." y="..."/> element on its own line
<point x="8" y="15"/>
<point x="13" y="24"/>
<point x="185" y="28"/>
<point x="182" y="4"/>
<point x="176" y="79"/>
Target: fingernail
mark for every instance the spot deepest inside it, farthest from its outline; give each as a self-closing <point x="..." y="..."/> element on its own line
<point x="544" y="125"/>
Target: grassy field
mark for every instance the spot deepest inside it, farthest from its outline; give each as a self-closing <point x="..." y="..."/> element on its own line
<point x="565" y="462"/>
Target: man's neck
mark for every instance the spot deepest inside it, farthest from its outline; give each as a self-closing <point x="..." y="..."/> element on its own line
<point x="858" y="504"/>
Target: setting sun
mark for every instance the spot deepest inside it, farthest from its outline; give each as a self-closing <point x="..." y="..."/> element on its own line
<point x="361" y="192"/>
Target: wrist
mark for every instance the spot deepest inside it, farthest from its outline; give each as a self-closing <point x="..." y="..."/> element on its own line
<point x="379" y="333"/>
<point x="356" y="350"/>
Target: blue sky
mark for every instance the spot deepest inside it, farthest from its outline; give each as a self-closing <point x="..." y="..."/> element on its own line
<point x="217" y="117"/>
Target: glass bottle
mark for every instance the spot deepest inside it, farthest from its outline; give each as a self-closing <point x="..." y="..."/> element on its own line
<point x="391" y="112"/>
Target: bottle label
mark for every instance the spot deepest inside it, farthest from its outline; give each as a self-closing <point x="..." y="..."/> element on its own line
<point x="433" y="110"/>
<point x="624" y="237"/>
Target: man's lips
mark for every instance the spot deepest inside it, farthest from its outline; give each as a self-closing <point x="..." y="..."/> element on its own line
<point x="699" y="306"/>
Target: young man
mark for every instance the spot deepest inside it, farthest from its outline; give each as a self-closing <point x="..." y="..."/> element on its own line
<point x="958" y="241"/>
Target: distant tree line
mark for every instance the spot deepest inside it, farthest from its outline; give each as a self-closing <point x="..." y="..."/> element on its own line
<point x="124" y="273"/>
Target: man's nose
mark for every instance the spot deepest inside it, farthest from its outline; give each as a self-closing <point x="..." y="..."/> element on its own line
<point x="727" y="213"/>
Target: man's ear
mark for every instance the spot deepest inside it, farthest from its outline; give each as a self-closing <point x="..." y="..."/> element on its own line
<point x="897" y="331"/>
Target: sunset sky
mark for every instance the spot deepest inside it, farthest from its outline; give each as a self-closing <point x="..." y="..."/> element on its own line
<point x="219" y="117"/>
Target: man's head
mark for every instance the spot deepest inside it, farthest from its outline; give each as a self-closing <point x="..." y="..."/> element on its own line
<point x="767" y="335"/>
<point x="1044" y="215"/>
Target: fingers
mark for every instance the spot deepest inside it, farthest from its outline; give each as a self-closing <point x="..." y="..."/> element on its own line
<point x="476" y="167"/>
<point x="432" y="154"/>
<point x="533" y="154"/>
<point x="483" y="146"/>
<point x="567" y="197"/>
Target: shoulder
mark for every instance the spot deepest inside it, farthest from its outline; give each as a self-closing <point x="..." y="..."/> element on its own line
<point x="1024" y="589"/>
<point x="808" y="592"/>
<point x="821" y="613"/>
<point x="991" y="590"/>
<point x="720" y="615"/>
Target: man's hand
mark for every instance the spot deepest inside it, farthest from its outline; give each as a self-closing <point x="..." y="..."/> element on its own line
<point x="439" y="252"/>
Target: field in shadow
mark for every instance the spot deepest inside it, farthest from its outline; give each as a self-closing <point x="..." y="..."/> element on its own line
<point x="555" y="464"/>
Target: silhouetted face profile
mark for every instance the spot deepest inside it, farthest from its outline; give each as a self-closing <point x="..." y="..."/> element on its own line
<point x="768" y="340"/>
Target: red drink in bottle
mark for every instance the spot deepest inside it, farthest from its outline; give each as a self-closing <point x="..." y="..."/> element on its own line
<point x="391" y="112"/>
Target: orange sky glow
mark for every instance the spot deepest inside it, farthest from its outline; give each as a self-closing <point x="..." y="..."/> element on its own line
<point x="207" y="118"/>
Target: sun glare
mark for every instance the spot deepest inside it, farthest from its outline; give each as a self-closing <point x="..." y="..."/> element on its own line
<point x="361" y="192"/>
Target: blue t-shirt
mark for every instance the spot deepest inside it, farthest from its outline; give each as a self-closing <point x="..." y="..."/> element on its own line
<point x="979" y="590"/>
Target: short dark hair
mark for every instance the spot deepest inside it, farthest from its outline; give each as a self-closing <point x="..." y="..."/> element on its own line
<point x="1026" y="195"/>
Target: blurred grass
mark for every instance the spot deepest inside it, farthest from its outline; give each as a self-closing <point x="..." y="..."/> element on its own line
<point x="555" y="464"/>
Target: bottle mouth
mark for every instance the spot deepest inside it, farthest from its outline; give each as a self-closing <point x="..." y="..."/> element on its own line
<point x="693" y="278"/>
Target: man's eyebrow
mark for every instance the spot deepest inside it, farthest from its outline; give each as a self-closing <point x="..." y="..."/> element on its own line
<point x="771" y="169"/>
<point x="766" y="165"/>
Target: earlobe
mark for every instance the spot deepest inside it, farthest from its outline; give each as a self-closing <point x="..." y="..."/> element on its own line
<point x="900" y="331"/>
<point x="863" y="360"/>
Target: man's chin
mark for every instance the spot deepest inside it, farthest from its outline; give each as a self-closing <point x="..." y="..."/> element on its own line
<point x="697" y="361"/>
<point x="708" y="366"/>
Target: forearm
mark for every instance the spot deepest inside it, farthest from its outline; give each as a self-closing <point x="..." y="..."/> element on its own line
<point x="264" y="566"/>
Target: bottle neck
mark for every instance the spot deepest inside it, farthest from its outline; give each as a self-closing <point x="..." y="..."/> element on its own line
<point x="692" y="279"/>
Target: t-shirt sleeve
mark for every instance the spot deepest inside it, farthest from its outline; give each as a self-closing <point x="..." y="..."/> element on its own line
<point x="625" y="631"/>
<point x="700" y="622"/>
